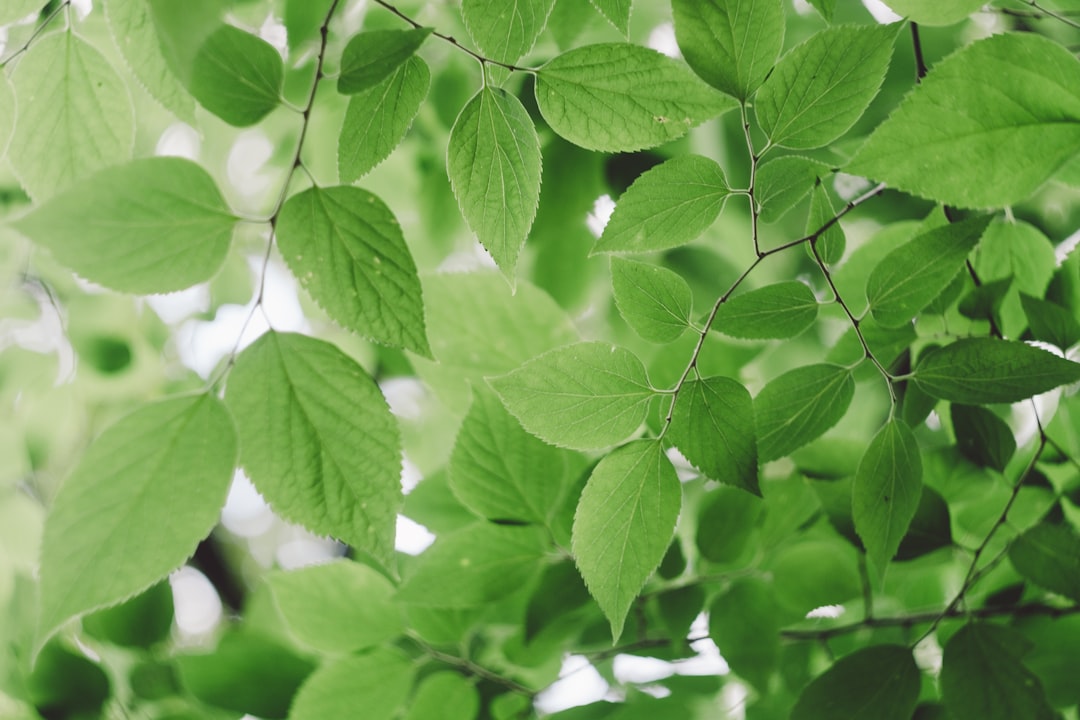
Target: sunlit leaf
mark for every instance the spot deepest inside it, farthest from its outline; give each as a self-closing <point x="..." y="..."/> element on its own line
<point x="712" y="424"/>
<point x="378" y="681"/>
<point x="504" y="30"/>
<point x="444" y="696"/>
<point x="783" y="182"/>
<point x="800" y="405"/>
<point x="616" y="12"/>
<point x="7" y="113"/>
<point x="1049" y="556"/>
<point x="934" y="12"/>
<point x="781" y="310"/>
<point x="881" y="681"/>
<point x="370" y="57"/>
<point x="14" y="10"/>
<point x="237" y="76"/>
<point x="653" y="300"/>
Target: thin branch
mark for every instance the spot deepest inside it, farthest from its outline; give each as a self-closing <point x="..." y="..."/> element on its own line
<point x="916" y="45"/>
<point x="754" y="157"/>
<point x="1047" y="12"/>
<point x="37" y="31"/>
<point x="994" y="329"/>
<point x="470" y="667"/>
<point x="851" y="205"/>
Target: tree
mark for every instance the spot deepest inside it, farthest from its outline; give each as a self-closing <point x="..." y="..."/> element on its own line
<point x="809" y="393"/>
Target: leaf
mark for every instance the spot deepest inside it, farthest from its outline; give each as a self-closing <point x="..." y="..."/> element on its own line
<point x="1051" y="322"/>
<point x="141" y="621"/>
<point x="67" y="93"/>
<point x="744" y="622"/>
<point x="985" y="128"/>
<point x="881" y="681"/>
<point x="338" y="607"/>
<point x="584" y="396"/>
<point x="803" y="106"/>
<point x="237" y="76"/>
<point x="829" y="245"/>
<point x="140" y="500"/>
<point x="505" y="30"/>
<point x="444" y="696"/>
<point x="150" y="226"/>
<point x="347" y="250"/>
<point x="493" y="159"/>
<point x="616" y="12"/>
<point x="653" y="300"/>
<point x="371" y="57"/>
<point x="825" y="8"/>
<point x="318" y="440"/>
<point x="15" y="10"/>
<point x="63" y="683"/>
<point x="712" y="424"/>
<point x="617" y="97"/>
<point x="378" y="681"/>
<point x="885" y="496"/>
<point x="978" y="371"/>
<point x="800" y="405"/>
<point x="726" y="522"/>
<point x="1049" y="556"/>
<point x="810" y="574"/>
<point x="982" y="676"/>
<point x="666" y="206"/>
<point x="781" y="183"/>
<point x="378" y="118"/>
<point x="624" y="523"/>
<point x="302" y="19"/>
<point x="911" y="276"/>
<point x="730" y="44"/>
<point x="982" y="437"/>
<point x="931" y="12"/>
<point x="7" y="113"/>
<point x="781" y="310"/>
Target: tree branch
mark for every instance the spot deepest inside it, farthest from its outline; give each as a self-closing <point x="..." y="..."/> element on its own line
<point x="471" y="668"/>
<point x="37" y="32"/>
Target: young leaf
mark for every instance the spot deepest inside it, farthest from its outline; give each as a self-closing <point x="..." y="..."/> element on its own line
<point x="504" y="30"/>
<point x="377" y="119"/>
<point x="138" y="503"/>
<point x="624" y="523"/>
<point x="885" y="496"/>
<point x="985" y="128"/>
<point x="493" y="159"/>
<point x="881" y="682"/>
<point x="933" y="12"/>
<point x="730" y="44"/>
<point x="347" y="250"/>
<point x="978" y="371"/>
<point x="1049" y="556"/>
<point x="725" y="524"/>
<point x="237" y="76"/>
<point x="666" y="206"/>
<point x="616" y="12"/>
<point x="982" y="437"/>
<point x="653" y="300"/>
<point x="378" y="681"/>
<point x="829" y="246"/>
<point x="744" y="622"/>
<point x="370" y="57"/>
<point x="76" y="96"/>
<point x="800" y="405"/>
<point x="585" y="396"/>
<point x="1051" y="322"/>
<point x="318" y="440"/>
<point x="911" y="276"/>
<point x="617" y="97"/>
<point x="712" y="424"/>
<point x="444" y="696"/>
<point x="802" y="106"/>
<point x="781" y="310"/>
<point x="783" y="182"/>
<point x="152" y="225"/>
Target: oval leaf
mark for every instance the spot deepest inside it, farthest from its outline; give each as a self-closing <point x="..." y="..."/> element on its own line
<point x="378" y="681"/>
<point x="237" y="76"/>
<point x="1049" y="556"/>
<point x="783" y="182"/>
<point x="504" y="30"/>
<point x="744" y="622"/>
<point x="782" y="310"/>
<point x="880" y="682"/>
<point x="799" y="406"/>
<point x="726" y="522"/>
<point x="653" y="300"/>
<point x="371" y="57"/>
<point x="712" y="424"/>
<point x="982" y="437"/>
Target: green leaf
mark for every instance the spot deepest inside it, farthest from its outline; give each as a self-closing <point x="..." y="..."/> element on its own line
<point x="161" y="472"/>
<point x="1021" y="256"/>
<point x="712" y="424"/>
<point x="982" y="677"/>
<point x="338" y="607"/>
<point x="985" y="128"/>
<point x="730" y="44"/>
<point x="812" y="573"/>
<point x="474" y="566"/>
<point x="318" y="440"/>
<point x="444" y="696"/>
<point x="616" y="12"/>
<point x="141" y="621"/>
<point x="1049" y="556"/>
<point x="624" y="523"/>
<point x="829" y="246"/>
<point x="378" y="681"/>
<point x="370" y="57"/>
<point x="982" y="437"/>
<point x="347" y="250"/>
<point x="237" y="76"/>
<point x="504" y="30"/>
<point x="76" y="96"/>
<point x="802" y="106"/>
<point x="377" y="119"/>
<point x="910" y="277"/>
<point x="1051" y="322"/>
<point x="584" y="396"/>
<point x="977" y="371"/>
<point x="666" y="206"/>
<point x="800" y="405"/>
<point x="726" y="522"/>
<point x="826" y="8"/>
<point x="15" y="10"/>
<point x="302" y="19"/>
<point x="64" y="684"/>
<point x="653" y="300"/>
<point x="880" y="682"/>
<point x="744" y="622"/>
<point x="7" y="113"/>
<point x="153" y="225"/>
<point x="781" y="183"/>
<point x="781" y="310"/>
<point x="493" y="159"/>
<point x="617" y="97"/>
<point x="885" y="496"/>
<point x="934" y="12"/>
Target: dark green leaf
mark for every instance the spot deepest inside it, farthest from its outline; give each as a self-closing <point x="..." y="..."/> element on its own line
<point x="800" y="405"/>
<point x="1049" y="556"/>
<point x="371" y="57"/>
<point x="880" y="682"/>
<point x="560" y="592"/>
<point x="712" y="424"/>
<point x="725" y="524"/>
<point x="653" y="300"/>
<point x="237" y="76"/>
<point x="744" y="622"/>
<point x="66" y="685"/>
<point x="781" y="183"/>
<point x="138" y="622"/>
<point x="781" y="310"/>
<point x="982" y="437"/>
<point x="1051" y="322"/>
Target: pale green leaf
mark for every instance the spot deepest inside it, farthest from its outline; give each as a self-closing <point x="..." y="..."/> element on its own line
<point x="347" y="250"/>
<point x="493" y="159"/>
<point x="15" y="10"/>
<point x="617" y="97"/>
<point x="666" y="206"/>
<point x="977" y="371"/>
<point x="825" y="7"/>
<point x="237" y="76"/>
<point x="145" y="493"/>
<point x="803" y="106"/>
<point x="378" y="681"/>
<point x="653" y="300"/>
<point x="731" y="44"/>
<point x="370" y="57"/>
<point x="985" y="128"/>
<point x="935" y="12"/>
<point x="783" y="182"/>
<point x="74" y="118"/>
<point x="1049" y="556"/>
<point x="800" y="405"/>
<point x="781" y="310"/>
<point x="616" y="12"/>
<point x="712" y="424"/>
<point x="377" y="119"/>
<point x="153" y="225"/>
<point x="880" y="682"/>
<point x="302" y="19"/>
<point x="744" y="622"/>
<point x="830" y="244"/>
<point x="7" y="113"/>
<point x="318" y="440"/>
<point x="182" y="28"/>
<point x="444" y="696"/>
<point x="337" y="607"/>
<point x="624" y="523"/>
<point x="584" y="396"/>
<point x="505" y="30"/>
